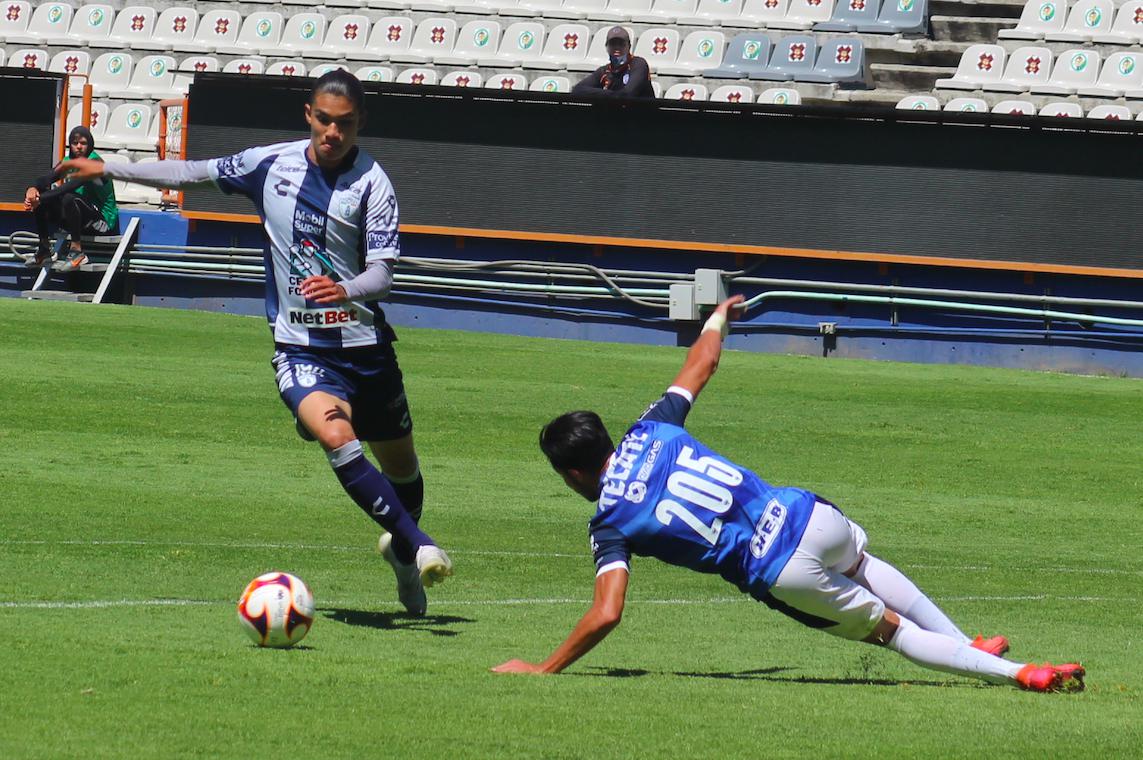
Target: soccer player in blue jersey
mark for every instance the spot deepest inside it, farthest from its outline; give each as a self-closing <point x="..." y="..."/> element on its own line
<point x="664" y="494"/>
<point x="330" y="218"/>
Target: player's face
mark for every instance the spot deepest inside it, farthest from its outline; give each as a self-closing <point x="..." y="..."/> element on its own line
<point x="333" y="128"/>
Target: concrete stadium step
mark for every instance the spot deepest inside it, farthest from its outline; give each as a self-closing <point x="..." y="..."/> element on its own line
<point x="968" y="28"/>
<point x="56" y="295"/>
<point x="906" y="77"/>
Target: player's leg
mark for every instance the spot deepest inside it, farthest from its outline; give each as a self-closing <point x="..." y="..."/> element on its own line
<point x="399" y="464"/>
<point x="47" y="217"/>
<point x="902" y="595"/>
<point x="74" y="212"/>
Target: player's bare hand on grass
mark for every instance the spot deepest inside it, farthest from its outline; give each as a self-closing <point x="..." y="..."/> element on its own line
<point x="323" y="290"/>
<point x="82" y="169"/>
<point x="518" y="666"/>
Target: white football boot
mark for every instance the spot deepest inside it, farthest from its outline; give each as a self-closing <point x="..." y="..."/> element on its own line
<point x="410" y="589"/>
<point x="433" y="564"/>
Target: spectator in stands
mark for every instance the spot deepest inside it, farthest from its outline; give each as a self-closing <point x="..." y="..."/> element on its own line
<point x="78" y="206"/>
<point x="624" y="76"/>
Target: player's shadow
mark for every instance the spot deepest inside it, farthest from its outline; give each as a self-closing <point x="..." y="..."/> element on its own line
<point x="437" y="625"/>
<point x="764" y="674"/>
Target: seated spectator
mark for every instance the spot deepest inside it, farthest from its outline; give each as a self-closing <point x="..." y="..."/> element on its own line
<point x="86" y="207"/>
<point x="624" y="76"/>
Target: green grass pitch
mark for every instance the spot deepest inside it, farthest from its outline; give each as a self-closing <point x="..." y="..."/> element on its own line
<point x="150" y="471"/>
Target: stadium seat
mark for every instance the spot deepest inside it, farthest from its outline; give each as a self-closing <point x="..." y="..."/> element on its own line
<point x="626" y="10"/>
<point x="89" y="24"/>
<point x="919" y="103"/>
<point x="1120" y="73"/>
<point x="14" y="23"/>
<point x="713" y="13"/>
<point x="174" y="25"/>
<point x="417" y="76"/>
<point x="477" y="39"/>
<point x="374" y="74"/>
<point x="1027" y="67"/>
<point x="152" y="78"/>
<point x="49" y="21"/>
<point x="133" y="24"/>
<point x="979" y="65"/>
<point x="967" y="105"/>
<point x="596" y="52"/>
<point x="593" y="9"/>
<point x="324" y="68"/>
<point x="745" y="54"/>
<point x="404" y="5"/>
<point x="1015" y="108"/>
<point x="733" y="93"/>
<point x="1110" y="112"/>
<point x="687" y="91"/>
<point x="1074" y="69"/>
<point x="547" y="8"/>
<point x="152" y="196"/>
<point x="793" y="58"/>
<point x="462" y="79"/>
<point x="287" y="69"/>
<point x="390" y="35"/>
<point x="188" y="67"/>
<point x="77" y="62"/>
<point x="659" y="46"/>
<point x="780" y="96"/>
<point x="345" y="37"/>
<point x="840" y="60"/>
<point x="99" y="114"/>
<point x="550" y="84"/>
<point x="304" y="34"/>
<point x="111" y="72"/>
<point x="432" y="40"/>
<point x="756" y="13"/>
<point x="565" y="44"/>
<point x="1126" y="29"/>
<point x="699" y="51"/>
<point x="260" y="32"/>
<point x="667" y="11"/>
<point x="1062" y="109"/>
<point x="1086" y="19"/>
<point x="28" y="58"/>
<point x="217" y="28"/>
<point x="803" y="14"/>
<point x="1038" y="18"/>
<point x="849" y="14"/>
<point x="521" y="43"/>
<point x="657" y="89"/>
<point x="244" y="66"/>
<point x="900" y="17"/>
<point x="128" y="127"/>
<point x="507" y="82"/>
<point x="3" y="57"/>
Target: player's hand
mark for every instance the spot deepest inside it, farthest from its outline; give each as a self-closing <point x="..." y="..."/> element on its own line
<point x="82" y="169"/>
<point x="731" y="308"/>
<point x="31" y="199"/>
<point x="517" y="666"/>
<point x="323" y="290"/>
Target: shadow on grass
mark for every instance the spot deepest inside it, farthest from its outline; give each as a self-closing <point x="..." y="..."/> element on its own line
<point x="396" y="621"/>
<point x="770" y="675"/>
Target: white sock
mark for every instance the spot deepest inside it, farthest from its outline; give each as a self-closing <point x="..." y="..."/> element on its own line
<point x="903" y="597"/>
<point x="939" y="652"/>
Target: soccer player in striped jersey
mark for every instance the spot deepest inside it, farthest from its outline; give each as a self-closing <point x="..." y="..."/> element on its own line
<point x="664" y="494"/>
<point x="330" y="218"/>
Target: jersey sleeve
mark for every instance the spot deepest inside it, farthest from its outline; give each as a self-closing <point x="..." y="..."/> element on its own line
<point x="242" y="173"/>
<point x="609" y="548"/>
<point x="672" y="407"/>
<point x="380" y="228"/>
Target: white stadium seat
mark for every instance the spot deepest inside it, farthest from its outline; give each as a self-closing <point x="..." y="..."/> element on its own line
<point x="49" y="21"/>
<point x="760" y="13"/>
<point x="391" y="35"/>
<point x="261" y="31"/>
<point x="89" y="24"/>
<point x="700" y="50"/>
<point x="303" y="34"/>
<point x="217" y="28"/>
<point x="111" y="72"/>
<point x="713" y="12"/>
<point x="417" y="76"/>
<point x="522" y="43"/>
<point x="659" y="46"/>
<point x="1027" y="67"/>
<point x="1038" y="18"/>
<point x="129" y="126"/>
<point x="1062" y="109"/>
<point x="76" y="63"/>
<point x="1074" y="69"/>
<point x="507" y="82"/>
<point x="979" y="65"/>
<point x="287" y="69"/>
<point x="99" y="114"/>
<point x="780" y="96"/>
<point x="433" y="38"/>
<point x="566" y="44"/>
<point x="919" y="103"/>
<point x="733" y="93"/>
<point x="345" y="37"/>
<point x="1127" y="29"/>
<point x="967" y="105"/>
<point x="626" y="9"/>
<point x="1120" y="73"/>
<point x="1015" y="108"/>
<point x="324" y="68"/>
<point x="374" y="74"/>
<point x="1110" y="112"/>
<point x="462" y="79"/>
<point x="550" y="84"/>
<point x="244" y="66"/>
<point x="14" y="23"/>
<point x="135" y="23"/>
<point x="667" y="11"/>
<point x="1086" y="19"/>
<point x="475" y="39"/>
<point x="803" y="14"/>
<point x="153" y="78"/>
<point x="687" y="91"/>
<point x="28" y="58"/>
<point x="174" y="26"/>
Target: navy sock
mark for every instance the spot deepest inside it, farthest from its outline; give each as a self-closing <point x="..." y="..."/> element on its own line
<point x="412" y="495"/>
<point x="373" y="492"/>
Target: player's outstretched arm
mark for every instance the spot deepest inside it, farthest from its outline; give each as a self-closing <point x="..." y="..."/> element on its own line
<point x="162" y="174"/>
<point x="605" y="613"/>
<point x="702" y="359"/>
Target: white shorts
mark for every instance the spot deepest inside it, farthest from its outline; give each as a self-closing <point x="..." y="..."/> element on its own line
<point x="812" y="589"/>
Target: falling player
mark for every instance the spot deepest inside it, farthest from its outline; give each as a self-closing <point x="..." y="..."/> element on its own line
<point x="330" y="218"/>
<point x="664" y="494"/>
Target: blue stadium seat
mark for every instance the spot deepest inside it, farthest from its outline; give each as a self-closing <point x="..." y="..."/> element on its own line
<point x="839" y="60"/>
<point x="849" y="14"/>
<point x="900" y="17"/>
<point x="746" y="54"/>
<point x="793" y="58"/>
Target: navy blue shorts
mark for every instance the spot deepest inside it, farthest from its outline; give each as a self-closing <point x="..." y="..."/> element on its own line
<point x="367" y="377"/>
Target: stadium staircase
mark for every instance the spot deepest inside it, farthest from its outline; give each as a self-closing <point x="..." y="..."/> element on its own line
<point x="107" y="256"/>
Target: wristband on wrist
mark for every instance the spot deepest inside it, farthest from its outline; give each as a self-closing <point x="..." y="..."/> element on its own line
<point x="717" y="323"/>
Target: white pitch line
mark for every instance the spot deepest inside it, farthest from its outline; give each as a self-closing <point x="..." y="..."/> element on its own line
<point x="100" y="604"/>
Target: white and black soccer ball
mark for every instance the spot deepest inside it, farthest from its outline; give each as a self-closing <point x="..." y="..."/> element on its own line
<point x="276" y="610"/>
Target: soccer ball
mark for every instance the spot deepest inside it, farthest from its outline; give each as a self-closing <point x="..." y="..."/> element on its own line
<point x="276" y="610"/>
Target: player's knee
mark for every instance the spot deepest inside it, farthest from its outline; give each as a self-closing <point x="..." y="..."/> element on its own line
<point x="885" y="629"/>
<point x="334" y="436"/>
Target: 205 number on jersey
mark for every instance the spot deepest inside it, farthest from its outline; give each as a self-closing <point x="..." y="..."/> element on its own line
<point x="703" y="483"/>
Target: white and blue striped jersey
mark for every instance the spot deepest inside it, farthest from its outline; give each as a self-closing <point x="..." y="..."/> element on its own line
<point x="316" y="222"/>
<point x="666" y="495"/>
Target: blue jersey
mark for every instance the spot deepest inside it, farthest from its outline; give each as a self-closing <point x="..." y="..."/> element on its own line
<point x="666" y="495"/>
<point x="317" y="222"/>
